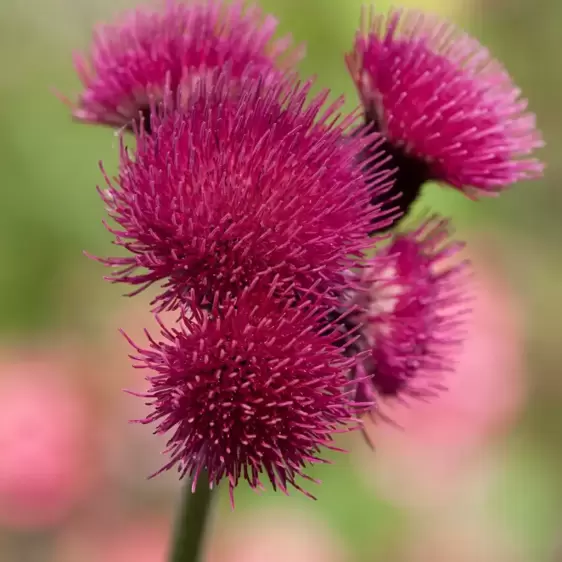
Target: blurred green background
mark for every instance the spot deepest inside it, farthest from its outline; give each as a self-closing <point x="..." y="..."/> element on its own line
<point x="480" y="481"/>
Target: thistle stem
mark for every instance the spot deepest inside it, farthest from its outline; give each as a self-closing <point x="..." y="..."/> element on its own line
<point x="189" y="532"/>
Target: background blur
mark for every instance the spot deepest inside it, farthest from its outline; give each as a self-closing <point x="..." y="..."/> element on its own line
<point x="474" y="477"/>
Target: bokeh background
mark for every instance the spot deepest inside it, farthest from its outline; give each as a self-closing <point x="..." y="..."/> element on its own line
<point x="472" y="477"/>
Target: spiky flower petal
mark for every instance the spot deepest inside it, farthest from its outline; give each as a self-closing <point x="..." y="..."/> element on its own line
<point x="412" y="304"/>
<point x="157" y="48"/>
<point x="448" y="110"/>
<point x="233" y="189"/>
<point x="250" y="389"/>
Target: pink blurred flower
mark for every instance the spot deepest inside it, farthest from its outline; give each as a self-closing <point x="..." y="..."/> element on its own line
<point x="437" y="441"/>
<point x="276" y="536"/>
<point x="45" y="468"/>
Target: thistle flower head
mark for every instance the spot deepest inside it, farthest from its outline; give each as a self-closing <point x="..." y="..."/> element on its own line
<point x="155" y="49"/>
<point x="448" y="110"/>
<point x="411" y="302"/>
<point x="236" y="188"/>
<point x="250" y="389"/>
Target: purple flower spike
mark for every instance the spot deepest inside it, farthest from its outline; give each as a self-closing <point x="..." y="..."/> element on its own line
<point x="154" y="50"/>
<point x="232" y="189"/>
<point x="412" y="304"/>
<point x="248" y="391"/>
<point x="448" y="110"/>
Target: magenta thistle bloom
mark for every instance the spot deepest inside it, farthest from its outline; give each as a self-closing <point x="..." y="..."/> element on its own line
<point x="248" y="390"/>
<point x="448" y="110"/>
<point x="152" y="50"/>
<point x="236" y="188"/>
<point x="412" y="305"/>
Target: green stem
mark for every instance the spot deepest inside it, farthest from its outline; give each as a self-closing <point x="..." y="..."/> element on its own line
<point x="189" y="532"/>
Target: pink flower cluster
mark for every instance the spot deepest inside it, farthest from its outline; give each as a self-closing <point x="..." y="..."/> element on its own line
<point x="45" y="466"/>
<point x="253" y="206"/>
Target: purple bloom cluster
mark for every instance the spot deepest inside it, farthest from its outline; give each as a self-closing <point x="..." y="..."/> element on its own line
<point x="255" y="207"/>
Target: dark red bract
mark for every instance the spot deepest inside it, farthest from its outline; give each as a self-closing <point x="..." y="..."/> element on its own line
<point x="158" y="48"/>
<point x="249" y="390"/>
<point x="231" y="189"/>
